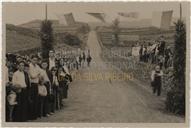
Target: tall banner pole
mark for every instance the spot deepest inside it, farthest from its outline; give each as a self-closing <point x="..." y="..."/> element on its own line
<point x="46" y="12"/>
<point x="180" y="11"/>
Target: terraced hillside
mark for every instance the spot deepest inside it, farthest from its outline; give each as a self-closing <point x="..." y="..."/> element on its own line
<point x="129" y="36"/>
<point x="22" y="39"/>
<point x="18" y="38"/>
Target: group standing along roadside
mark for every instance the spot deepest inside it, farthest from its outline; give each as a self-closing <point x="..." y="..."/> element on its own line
<point x="37" y="87"/>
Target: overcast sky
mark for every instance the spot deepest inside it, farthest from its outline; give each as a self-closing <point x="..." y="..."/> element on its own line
<point x="18" y="13"/>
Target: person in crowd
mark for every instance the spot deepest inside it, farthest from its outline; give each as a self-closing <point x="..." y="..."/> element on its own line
<point x="66" y="68"/>
<point x="11" y="62"/>
<point x="83" y="58"/>
<point x="77" y="63"/>
<point x="141" y="53"/>
<point x="52" y="60"/>
<point x="89" y="58"/>
<point x="29" y="98"/>
<point x="45" y="73"/>
<point x="170" y="61"/>
<point x="11" y="98"/>
<point x="57" y="58"/>
<point x="21" y="83"/>
<point x="80" y="60"/>
<point x="64" y="65"/>
<point x="55" y="87"/>
<point x="162" y="46"/>
<point x="168" y="53"/>
<point x="61" y="62"/>
<point x="34" y="73"/>
<point x="26" y="68"/>
<point x="19" y="59"/>
<point x="161" y="60"/>
<point x="156" y="80"/>
<point x="145" y="54"/>
<point x="10" y="95"/>
<point x="42" y="92"/>
<point x="39" y="61"/>
<point x="63" y="86"/>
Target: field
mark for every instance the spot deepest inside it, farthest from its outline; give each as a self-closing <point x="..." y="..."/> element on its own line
<point x="130" y="36"/>
<point x="22" y="39"/>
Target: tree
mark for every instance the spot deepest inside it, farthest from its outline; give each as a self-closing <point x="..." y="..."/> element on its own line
<point x="116" y="30"/>
<point x="176" y="96"/>
<point x="46" y="37"/>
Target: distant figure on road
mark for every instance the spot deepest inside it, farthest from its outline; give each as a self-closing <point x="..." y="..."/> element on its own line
<point x="83" y="58"/>
<point x="89" y="58"/>
<point x="80" y="60"/>
<point x="156" y="80"/>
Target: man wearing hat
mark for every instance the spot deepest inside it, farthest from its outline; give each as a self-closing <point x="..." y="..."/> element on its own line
<point x="52" y="62"/>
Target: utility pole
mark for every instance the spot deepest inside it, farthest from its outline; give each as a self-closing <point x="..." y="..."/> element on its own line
<point x="180" y="11"/>
<point x="46" y="13"/>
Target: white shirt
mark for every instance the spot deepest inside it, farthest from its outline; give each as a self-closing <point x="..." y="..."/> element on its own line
<point x="55" y="80"/>
<point x="66" y="69"/>
<point x="51" y="63"/>
<point x="135" y="50"/>
<point x="44" y="75"/>
<point x="34" y="72"/>
<point x="6" y="74"/>
<point x="19" y="79"/>
<point x="153" y="74"/>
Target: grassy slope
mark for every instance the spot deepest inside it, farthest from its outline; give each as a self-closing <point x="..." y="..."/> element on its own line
<point x="147" y="33"/>
<point x="18" y="38"/>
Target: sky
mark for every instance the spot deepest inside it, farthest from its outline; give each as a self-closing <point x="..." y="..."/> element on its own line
<point x="19" y="13"/>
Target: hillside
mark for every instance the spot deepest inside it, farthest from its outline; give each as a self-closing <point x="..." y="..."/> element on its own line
<point x="129" y="36"/>
<point x="18" y="38"/>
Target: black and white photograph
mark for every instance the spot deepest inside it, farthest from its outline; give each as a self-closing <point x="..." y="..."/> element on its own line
<point x="95" y="63"/>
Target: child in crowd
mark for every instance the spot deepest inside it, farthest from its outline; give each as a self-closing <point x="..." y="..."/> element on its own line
<point x="156" y="80"/>
<point x="11" y="98"/>
<point x="42" y="94"/>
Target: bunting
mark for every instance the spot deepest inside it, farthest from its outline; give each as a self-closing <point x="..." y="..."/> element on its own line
<point x="99" y="16"/>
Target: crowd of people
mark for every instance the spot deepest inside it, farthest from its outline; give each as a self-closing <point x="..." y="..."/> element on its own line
<point x="157" y="53"/>
<point x="37" y="87"/>
<point x="160" y="55"/>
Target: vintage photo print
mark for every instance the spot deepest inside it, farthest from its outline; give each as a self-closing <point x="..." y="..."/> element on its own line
<point x="95" y="64"/>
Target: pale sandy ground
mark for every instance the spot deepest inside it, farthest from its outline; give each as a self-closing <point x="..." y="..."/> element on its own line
<point x="110" y="101"/>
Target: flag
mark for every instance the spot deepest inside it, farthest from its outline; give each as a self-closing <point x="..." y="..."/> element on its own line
<point x="156" y="19"/>
<point x="69" y="19"/>
<point x="99" y="16"/>
<point x="129" y="15"/>
<point x="61" y="19"/>
<point x="166" y="19"/>
<point x="162" y="19"/>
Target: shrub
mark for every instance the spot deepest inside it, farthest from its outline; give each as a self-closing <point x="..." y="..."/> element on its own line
<point x="46" y="37"/>
<point x="71" y="39"/>
<point x="175" y="101"/>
